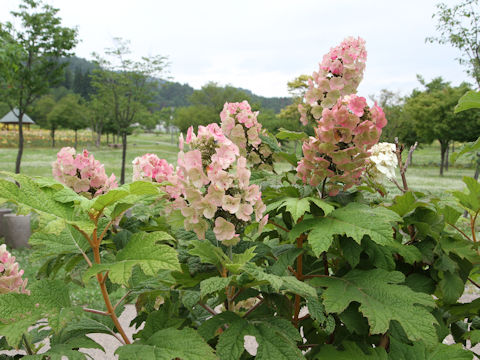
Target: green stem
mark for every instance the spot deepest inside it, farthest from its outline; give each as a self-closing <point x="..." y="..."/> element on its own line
<point x="27" y="345"/>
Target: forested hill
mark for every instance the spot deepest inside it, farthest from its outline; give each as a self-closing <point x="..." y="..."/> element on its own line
<point x="169" y="94"/>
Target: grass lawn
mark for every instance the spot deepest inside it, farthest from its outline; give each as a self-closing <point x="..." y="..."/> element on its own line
<point x="422" y="176"/>
<point x="38" y="161"/>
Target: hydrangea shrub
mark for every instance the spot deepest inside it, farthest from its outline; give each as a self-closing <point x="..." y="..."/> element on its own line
<point x="226" y="262"/>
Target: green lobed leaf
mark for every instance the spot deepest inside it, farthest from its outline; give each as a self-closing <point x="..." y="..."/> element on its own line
<point x="296" y="207"/>
<point x="469" y="199"/>
<point x="451" y="287"/>
<point x="58" y="352"/>
<point x="381" y="300"/>
<point x="207" y="252"/>
<point x="316" y="309"/>
<point x="470" y="100"/>
<point x="354" y="220"/>
<point x="276" y="345"/>
<point x="354" y="321"/>
<point x="298" y="287"/>
<point x="208" y="329"/>
<point x="289" y="157"/>
<point x="74" y="334"/>
<point x="142" y="250"/>
<point x="213" y="284"/>
<point x="467" y="148"/>
<point x="350" y="351"/>
<point x="284" y="134"/>
<point x="111" y="197"/>
<point x="40" y="199"/>
<point x="68" y="241"/>
<point x="405" y="203"/>
<point x="18" y="312"/>
<point x="259" y="274"/>
<point x="473" y="336"/>
<point x="450" y="214"/>
<point x="419" y="351"/>
<point x="231" y="342"/>
<point x="239" y="260"/>
<point x="168" y="344"/>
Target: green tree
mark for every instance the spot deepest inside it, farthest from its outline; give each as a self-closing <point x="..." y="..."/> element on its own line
<point x="459" y="26"/>
<point x="194" y="115"/>
<point x="99" y="113"/>
<point x="78" y="118"/>
<point x="289" y="117"/>
<point x="30" y="58"/>
<point x="41" y="108"/>
<point x="432" y="114"/>
<point x="127" y="86"/>
<point x="207" y="103"/>
<point x="67" y="113"/>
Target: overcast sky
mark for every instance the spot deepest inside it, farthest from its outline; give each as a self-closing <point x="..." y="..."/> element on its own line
<point x="261" y="45"/>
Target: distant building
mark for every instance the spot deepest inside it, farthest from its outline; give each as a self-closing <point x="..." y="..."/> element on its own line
<point x="12" y="119"/>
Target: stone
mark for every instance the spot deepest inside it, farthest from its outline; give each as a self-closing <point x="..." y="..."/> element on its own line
<point x="17" y="230"/>
<point x="3" y="212"/>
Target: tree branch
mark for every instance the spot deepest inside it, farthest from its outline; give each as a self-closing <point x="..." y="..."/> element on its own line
<point x="208" y="308"/>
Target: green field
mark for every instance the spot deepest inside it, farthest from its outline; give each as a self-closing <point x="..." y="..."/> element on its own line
<point x="38" y="161"/>
<point x="423" y="174"/>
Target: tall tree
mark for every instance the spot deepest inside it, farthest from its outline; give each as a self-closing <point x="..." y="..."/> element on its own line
<point x="99" y="114"/>
<point x="126" y="85"/>
<point x="30" y="58"/>
<point x="76" y="114"/>
<point x="41" y="108"/>
<point x="67" y="113"/>
<point x="433" y="117"/>
<point x="459" y="26"/>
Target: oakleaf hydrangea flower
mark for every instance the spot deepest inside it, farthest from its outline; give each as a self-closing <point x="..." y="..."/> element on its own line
<point x="82" y="173"/>
<point x="339" y="151"/>
<point x="383" y="162"/>
<point x="149" y="167"/>
<point x="10" y="275"/>
<point x="215" y="190"/>
<point x="339" y="74"/>
<point x="239" y="124"/>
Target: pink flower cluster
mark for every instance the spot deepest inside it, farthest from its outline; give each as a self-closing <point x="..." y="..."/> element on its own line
<point x="149" y="167"/>
<point x="339" y="74"/>
<point x="239" y="123"/>
<point x="339" y="152"/>
<point x="10" y="276"/>
<point x="82" y="172"/>
<point x="216" y="189"/>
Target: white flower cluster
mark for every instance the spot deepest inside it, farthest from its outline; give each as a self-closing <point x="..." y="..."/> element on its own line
<point x="383" y="162"/>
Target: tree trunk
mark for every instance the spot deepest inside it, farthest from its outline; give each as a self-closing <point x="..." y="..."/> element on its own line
<point x="107" y="138"/>
<point x="477" y="169"/>
<point x="52" y="135"/>
<point x="99" y="139"/>
<point x="76" y="139"/>
<point x="443" y="150"/>
<point x="20" y="143"/>
<point x="410" y="158"/>
<point x="124" y="156"/>
<point x="446" y="158"/>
